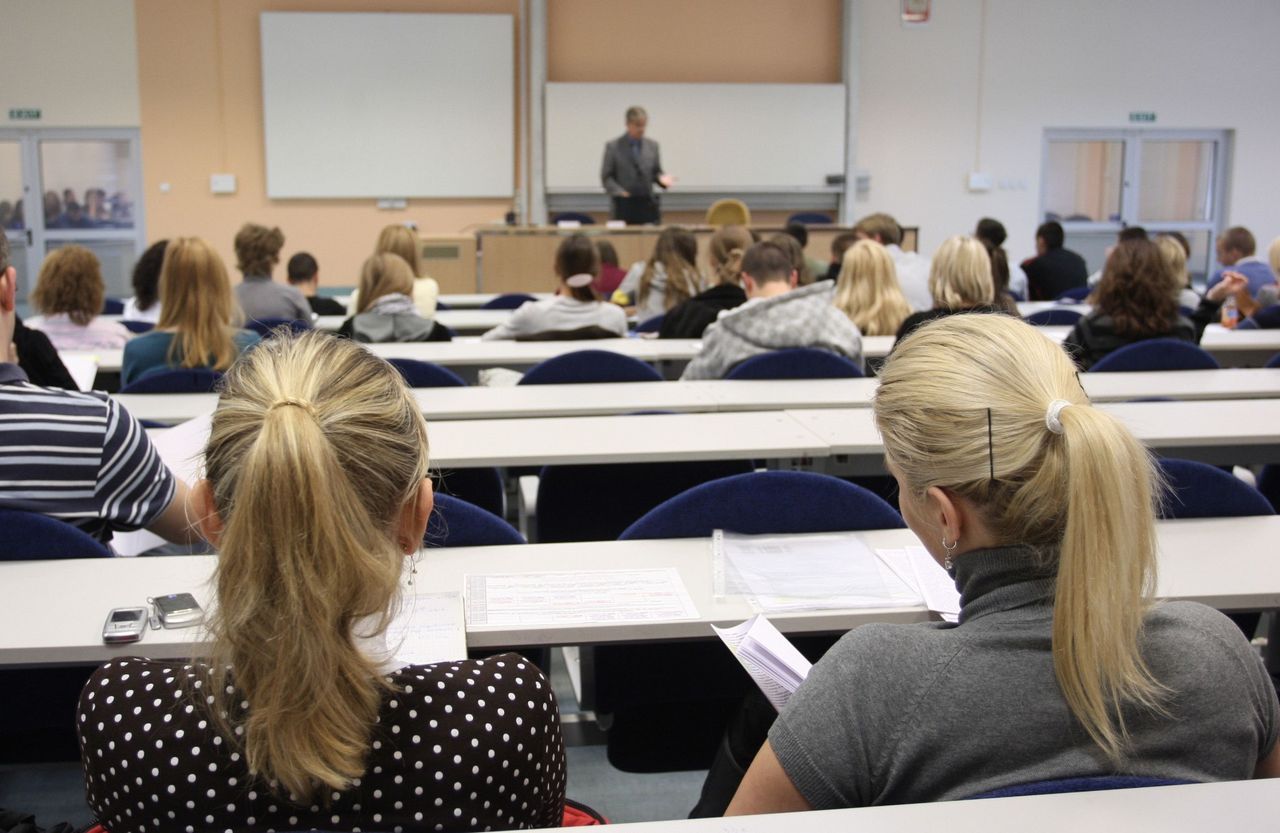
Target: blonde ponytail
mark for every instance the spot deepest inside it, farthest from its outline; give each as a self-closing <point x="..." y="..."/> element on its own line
<point x="315" y="448"/>
<point x="963" y="404"/>
<point x="727" y="247"/>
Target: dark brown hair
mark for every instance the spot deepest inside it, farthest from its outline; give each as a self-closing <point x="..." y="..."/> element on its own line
<point x="146" y="275"/>
<point x="70" y="281"/>
<point x="577" y="255"/>
<point x="1240" y="239"/>
<point x="766" y="262"/>
<point x="1136" y="290"/>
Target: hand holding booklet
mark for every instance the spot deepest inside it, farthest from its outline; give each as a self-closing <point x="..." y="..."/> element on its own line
<point x="772" y="661"/>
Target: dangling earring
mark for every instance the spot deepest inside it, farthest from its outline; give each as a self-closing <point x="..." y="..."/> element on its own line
<point x="946" y="561"/>
<point x="413" y="566"/>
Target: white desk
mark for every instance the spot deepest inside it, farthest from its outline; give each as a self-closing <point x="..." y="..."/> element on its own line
<point x="460" y="321"/>
<point x="1240" y="348"/>
<point x="1194" y="565"/>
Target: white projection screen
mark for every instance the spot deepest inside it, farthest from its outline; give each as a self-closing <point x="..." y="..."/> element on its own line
<point x="388" y="105"/>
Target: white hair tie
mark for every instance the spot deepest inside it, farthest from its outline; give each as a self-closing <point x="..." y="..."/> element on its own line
<point x="579" y="280"/>
<point x="1053" y="416"/>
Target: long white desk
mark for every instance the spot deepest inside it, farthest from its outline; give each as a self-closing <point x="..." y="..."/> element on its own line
<point x="460" y="321"/>
<point x="736" y="395"/>
<point x="1194" y="565"/>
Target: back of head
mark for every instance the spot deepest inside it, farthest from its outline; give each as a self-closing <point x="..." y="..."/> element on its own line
<point x="315" y="449"/>
<point x="1042" y="468"/>
<point x="381" y="275"/>
<point x="1240" y="240"/>
<point x="608" y="254"/>
<point x="881" y="227"/>
<point x="400" y="240"/>
<point x="146" y="275"/>
<point x="677" y="251"/>
<point x="1175" y="261"/>
<point x="799" y="232"/>
<point x="991" y="231"/>
<point x="767" y="262"/>
<point x="302" y="268"/>
<point x="196" y="303"/>
<point x="840" y="244"/>
<point x="576" y="256"/>
<point x="728" y="245"/>
<point x="1137" y="289"/>
<point x="70" y="282"/>
<point x="795" y="252"/>
<point x="867" y="290"/>
<point x="1131" y="233"/>
<point x="1052" y="234"/>
<point x="960" y="274"/>
<point x="258" y="249"/>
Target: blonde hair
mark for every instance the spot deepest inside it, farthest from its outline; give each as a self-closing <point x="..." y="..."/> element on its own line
<point x="867" y="289"/>
<point x="677" y="252"/>
<point x="1273" y="255"/>
<point x="728" y="245"/>
<point x="1087" y="496"/>
<point x="70" y="281"/>
<point x="316" y="447"/>
<point x="197" y="304"/>
<point x="400" y="240"/>
<point x="258" y="249"/>
<point x="1175" y="261"/>
<point x="383" y="274"/>
<point x="960" y="275"/>
<point x="880" y="227"/>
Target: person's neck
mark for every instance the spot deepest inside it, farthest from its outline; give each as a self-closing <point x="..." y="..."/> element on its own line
<point x="771" y="289"/>
<point x="307" y="288"/>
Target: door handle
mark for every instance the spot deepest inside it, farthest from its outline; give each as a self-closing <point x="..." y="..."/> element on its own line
<point x="30" y="240"/>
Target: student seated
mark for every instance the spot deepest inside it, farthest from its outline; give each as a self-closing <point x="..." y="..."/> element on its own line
<point x="1063" y="665"/>
<point x="1175" y="250"/>
<point x="992" y="234"/>
<point x="1236" y="249"/>
<point x="145" y="303"/>
<point x="960" y="281"/>
<point x="691" y="318"/>
<point x="301" y="716"/>
<point x="814" y="269"/>
<point x="575" y="311"/>
<point x="795" y="252"/>
<point x="611" y="274"/>
<point x="199" y="319"/>
<point x="69" y="293"/>
<point x="304" y="275"/>
<point x="1248" y="309"/>
<point x="668" y="278"/>
<point x="1054" y="269"/>
<point x="776" y="316"/>
<point x="867" y="290"/>
<point x="385" y="310"/>
<point x="913" y="269"/>
<point x="839" y="246"/>
<point x="1135" y="301"/>
<point x="257" y="253"/>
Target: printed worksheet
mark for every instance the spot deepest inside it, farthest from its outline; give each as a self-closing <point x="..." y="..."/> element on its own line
<point x="428" y="628"/>
<point x="577" y="597"/>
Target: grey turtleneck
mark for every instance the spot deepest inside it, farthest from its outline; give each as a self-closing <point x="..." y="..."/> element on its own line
<point x="897" y="714"/>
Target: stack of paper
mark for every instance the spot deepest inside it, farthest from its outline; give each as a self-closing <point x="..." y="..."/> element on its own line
<point x="427" y="629"/>
<point x="926" y="578"/>
<point x="772" y="661"/>
<point x="577" y="597"/>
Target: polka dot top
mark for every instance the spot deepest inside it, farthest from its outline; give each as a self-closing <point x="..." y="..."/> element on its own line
<point x="469" y="745"/>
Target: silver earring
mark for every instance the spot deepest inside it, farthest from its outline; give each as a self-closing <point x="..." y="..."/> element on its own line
<point x="946" y="560"/>
<point x="413" y="566"/>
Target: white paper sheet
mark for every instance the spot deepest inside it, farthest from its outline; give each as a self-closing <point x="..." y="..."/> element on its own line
<point x="936" y="586"/>
<point x="427" y="629"/>
<point x="768" y="656"/>
<point x="182" y="450"/>
<point x="577" y="597"/>
<point x="82" y="367"/>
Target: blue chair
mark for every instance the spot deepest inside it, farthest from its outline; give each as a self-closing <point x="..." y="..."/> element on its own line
<point x="267" y="327"/>
<point x="1054" y="317"/>
<point x="457" y="523"/>
<point x="29" y="536"/>
<point x="481" y="487"/>
<point x="441" y="305"/>
<point x="1078" y="785"/>
<point x="1075" y="295"/>
<point x="1199" y="490"/>
<point x="183" y="380"/>
<point x="796" y="363"/>
<point x="426" y="375"/>
<point x="1156" y="354"/>
<point x="1269" y="485"/>
<point x="588" y="366"/>
<point x="1247" y="324"/>
<point x="810" y="218"/>
<point x="1273" y="362"/>
<point x="511" y="300"/>
<point x="1186" y="312"/>
<point x="138" y="326"/>
<point x="112" y="306"/>
<point x="573" y="217"/>
<point x="650" y="325"/>
<point x="1017" y="296"/>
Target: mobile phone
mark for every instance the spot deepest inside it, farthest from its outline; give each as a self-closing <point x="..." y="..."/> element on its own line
<point x="178" y="610"/>
<point x="124" y="624"/>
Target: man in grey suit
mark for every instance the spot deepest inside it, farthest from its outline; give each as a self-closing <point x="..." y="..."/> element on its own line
<point x="631" y="168"/>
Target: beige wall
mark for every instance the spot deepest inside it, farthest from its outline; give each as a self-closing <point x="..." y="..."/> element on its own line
<point x="75" y="60"/>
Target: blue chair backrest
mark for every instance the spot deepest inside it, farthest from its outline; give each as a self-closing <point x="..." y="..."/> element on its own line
<point x="1077" y="294"/>
<point x="588" y="366"/>
<point x="456" y="523"/>
<point x="1273" y="362"/>
<point x="481" y="487"/>
<point x="1198" y="490"/>
<point x="769" y="502"/>
<point x="650" y="325"/>
<point x="267" y="327"/>
<point x="183" y="380"/>
<point x="810" y="218"/>
<point x="511" y="300"/>
<point x="419" y="374"/>
<point x="1156" y="354"/>
<point x="1247" y="324"/>
<point x="112" y="306"/>
<point x="1054" y="317"/>
<point x="797" y="363"/>
<point x="442" y="305"/>
<point x="1269" y="484"/>
<point x="574" y="216"/>
<point x="138" y="326"/>
<point x="32" y="537"/>
<point x="1079" y="785"/>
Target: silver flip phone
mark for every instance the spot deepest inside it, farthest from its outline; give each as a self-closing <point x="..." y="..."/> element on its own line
<point x="178" y="610"/>
<point x="124" y="624"/>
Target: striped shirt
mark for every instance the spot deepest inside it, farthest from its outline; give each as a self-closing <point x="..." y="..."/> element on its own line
<point x="78" y="457"/>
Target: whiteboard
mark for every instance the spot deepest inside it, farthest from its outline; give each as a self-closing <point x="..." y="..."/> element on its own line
<point x="730" y="137"/>
<point x="388" y="105"/>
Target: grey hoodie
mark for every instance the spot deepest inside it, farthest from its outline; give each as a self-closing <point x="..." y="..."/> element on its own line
<point x="803" y="317"/>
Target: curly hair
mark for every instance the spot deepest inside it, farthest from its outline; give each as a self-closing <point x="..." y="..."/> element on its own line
<point x="258" y="249"/>
<point x="70" y="281"/>
<point x="146" y="275"/>
<point x="1137" y="290"/>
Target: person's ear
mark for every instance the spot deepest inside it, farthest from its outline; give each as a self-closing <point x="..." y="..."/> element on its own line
<point x="945" y="512"/>
<point x="8" y="289"/>
<point x="414" y="515"/>
<point x="794" y="280"/>
<point x="207" y="521"/>
<point x="748" y="283"/>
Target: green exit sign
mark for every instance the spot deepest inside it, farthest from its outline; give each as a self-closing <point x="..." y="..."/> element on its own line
<point x="1137" y="116"/>
<point x="24" y="114"/>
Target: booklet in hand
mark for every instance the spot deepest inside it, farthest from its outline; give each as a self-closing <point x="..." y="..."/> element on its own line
<point x="772" y="661"/>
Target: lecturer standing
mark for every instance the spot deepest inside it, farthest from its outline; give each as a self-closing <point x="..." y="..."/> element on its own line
<point x="631" y="169"/>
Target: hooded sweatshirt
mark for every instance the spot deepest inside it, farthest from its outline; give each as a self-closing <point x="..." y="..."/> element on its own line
<point x="800" y="318"/>
<point x="391" y="318"/>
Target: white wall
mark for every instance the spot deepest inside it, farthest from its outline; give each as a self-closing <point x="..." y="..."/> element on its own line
<point x="76" y="60"/>
<point x="1083" y="63"/>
